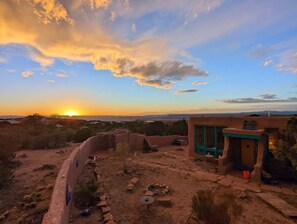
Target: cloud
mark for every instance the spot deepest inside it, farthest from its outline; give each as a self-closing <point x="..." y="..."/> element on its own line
<point x="133" y="28"/>
<point x="49" y="11"/>
<point x="179" y="92"/>
<point x="288" y="62"/>
<point x="61" y="75"/>
<point x="51" y="81"/>
<point x="267" y="62"/>
<point x="268" y="96"/>
<point x="26" y="74"/>
<point x="256" y="100"/>
<point x="3" y="60"/>
<point x="163" y="74"/>
<point x="40" y="58"/>
<point x="198" y="83"/>
<point x="113" y="16"/>
<point x="259" y="51"/>
<point x="97" y="4"/>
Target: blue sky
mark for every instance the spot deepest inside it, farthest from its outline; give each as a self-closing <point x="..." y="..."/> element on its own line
<point x="131" y="57"/>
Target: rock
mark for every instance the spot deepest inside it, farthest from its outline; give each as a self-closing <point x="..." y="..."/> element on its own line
<point x="105" y="210"/>
<point x="130" y="187"/>
<point x="107" y="217"/>
<point x="149" y="193"/>
<point x="27" y="198"/>
<point x="30" y="205"/>
<point x="21" y="219"/>
<point x="2" y="218"/>
<point x="21" y="204"/>
<point x="165" y="201"/>
<point x="40" y="188"/>
<point x="103" y="197"/>
<point x="85" y="213"/>
<point x="120" y="173"/>
<point x="134" y="180"/>
<point x="50" y="186"/>
<point x="111" y="222"/>
<point x="102" y="204"/>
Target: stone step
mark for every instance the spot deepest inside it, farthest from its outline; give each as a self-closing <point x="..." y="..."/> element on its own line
<point x="279" y="204"/>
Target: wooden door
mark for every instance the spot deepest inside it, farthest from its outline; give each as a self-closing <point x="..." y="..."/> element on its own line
<point x="248" y="153"/>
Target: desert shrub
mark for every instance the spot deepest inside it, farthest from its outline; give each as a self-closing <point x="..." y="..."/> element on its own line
<point x="46" y="141"/>
<point x="122" y="151"/>
<point x="86" y="194"/>
<point x="46" y="167"/>
<point x="178" y="128"/>
<point x="155" y="128"/>
<point x="69" y="133"/>
<point x="82" y="134"/>
<point x="4" y="176"/>
<point x="203" y="204"/>
<point x="8" y="146"/>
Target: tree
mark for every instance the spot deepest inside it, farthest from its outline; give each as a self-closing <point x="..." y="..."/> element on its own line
<point x="287" y="144"/>
<point x="155" y="128"/>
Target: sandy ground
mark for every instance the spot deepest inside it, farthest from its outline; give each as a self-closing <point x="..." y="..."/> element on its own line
<point x="37" y="184"/>
<point x="126" y="208"/>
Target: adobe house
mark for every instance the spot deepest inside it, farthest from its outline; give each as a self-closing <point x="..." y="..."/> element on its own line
<point x="239" y="143"/>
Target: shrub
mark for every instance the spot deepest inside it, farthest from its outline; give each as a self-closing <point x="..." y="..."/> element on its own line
<point x="4" y="176"/>
<point x="122" y="151"/>
<point x="86" y="194"/>
<point x="8" y="146"/>
<point x="285" y="153"/>
<point x="82" y="134"/>
<point x="46" y="167"/>
<point x="203" y="204"/>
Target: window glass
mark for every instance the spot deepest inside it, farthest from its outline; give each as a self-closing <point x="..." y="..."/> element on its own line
<point x="220" y="138"/>
<point x="210" y="137"/>
<point x="200" y="136"/>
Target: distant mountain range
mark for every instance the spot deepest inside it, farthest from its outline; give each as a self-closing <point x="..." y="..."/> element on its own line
<point x="168" y="117"/>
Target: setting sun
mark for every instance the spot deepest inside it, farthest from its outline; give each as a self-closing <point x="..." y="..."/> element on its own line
<point x="71" y="113"/>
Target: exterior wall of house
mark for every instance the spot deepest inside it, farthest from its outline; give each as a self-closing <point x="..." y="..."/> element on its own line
<point x="235" y="136"/>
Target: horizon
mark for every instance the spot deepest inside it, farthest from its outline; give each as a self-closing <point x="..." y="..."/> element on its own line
<point x="131" y="58"/>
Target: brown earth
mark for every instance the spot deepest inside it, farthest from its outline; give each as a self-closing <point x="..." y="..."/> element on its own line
<point x="166" y="168"/>
<point x="35" y="185"/>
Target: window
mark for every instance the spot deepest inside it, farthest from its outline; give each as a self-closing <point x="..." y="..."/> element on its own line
<point x="209" y="139"/>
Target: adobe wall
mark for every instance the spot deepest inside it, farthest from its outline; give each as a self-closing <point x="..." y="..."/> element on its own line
<point x="161" y="141"/>
<point x="58" y="212"/>
<point x="231" y="122"/>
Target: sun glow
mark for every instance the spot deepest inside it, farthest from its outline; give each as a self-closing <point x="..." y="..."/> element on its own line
<point x="71" y="113"/>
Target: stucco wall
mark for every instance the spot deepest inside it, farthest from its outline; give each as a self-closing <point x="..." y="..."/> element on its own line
<point x="58" y="212"/>
<point x="161" y="141"/>
<point x="231" y="122"/>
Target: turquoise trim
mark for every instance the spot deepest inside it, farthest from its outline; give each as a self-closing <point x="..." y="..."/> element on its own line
<point x="202" y="149"/>
<point x="243" y="136"/>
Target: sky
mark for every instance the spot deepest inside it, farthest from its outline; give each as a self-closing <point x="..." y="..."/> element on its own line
<point x="139" y="57"/>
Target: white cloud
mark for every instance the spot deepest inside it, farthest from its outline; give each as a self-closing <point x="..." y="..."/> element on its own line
<point x="267" y="62"/>
<point x="61" y="75"/>
<point x="51" y="81"/>
<point x="198" y="83"/>
<point x="26" y="74"/>
<point x="40" y="58"/>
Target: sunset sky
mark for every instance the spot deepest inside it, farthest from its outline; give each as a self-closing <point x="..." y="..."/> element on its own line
<point x="136" y="57"/>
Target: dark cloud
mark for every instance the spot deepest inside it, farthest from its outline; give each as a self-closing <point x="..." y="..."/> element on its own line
<point x="163" y="74"/>
<point x="179" y="92"/>
<point x="255" y="100"/>
<point x="268" y="96"/>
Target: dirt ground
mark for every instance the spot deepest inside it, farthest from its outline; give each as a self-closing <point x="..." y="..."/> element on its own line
<point x="117" y="171"/>
<point x="127" y="209"/>
<point x="27" y="197"/>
